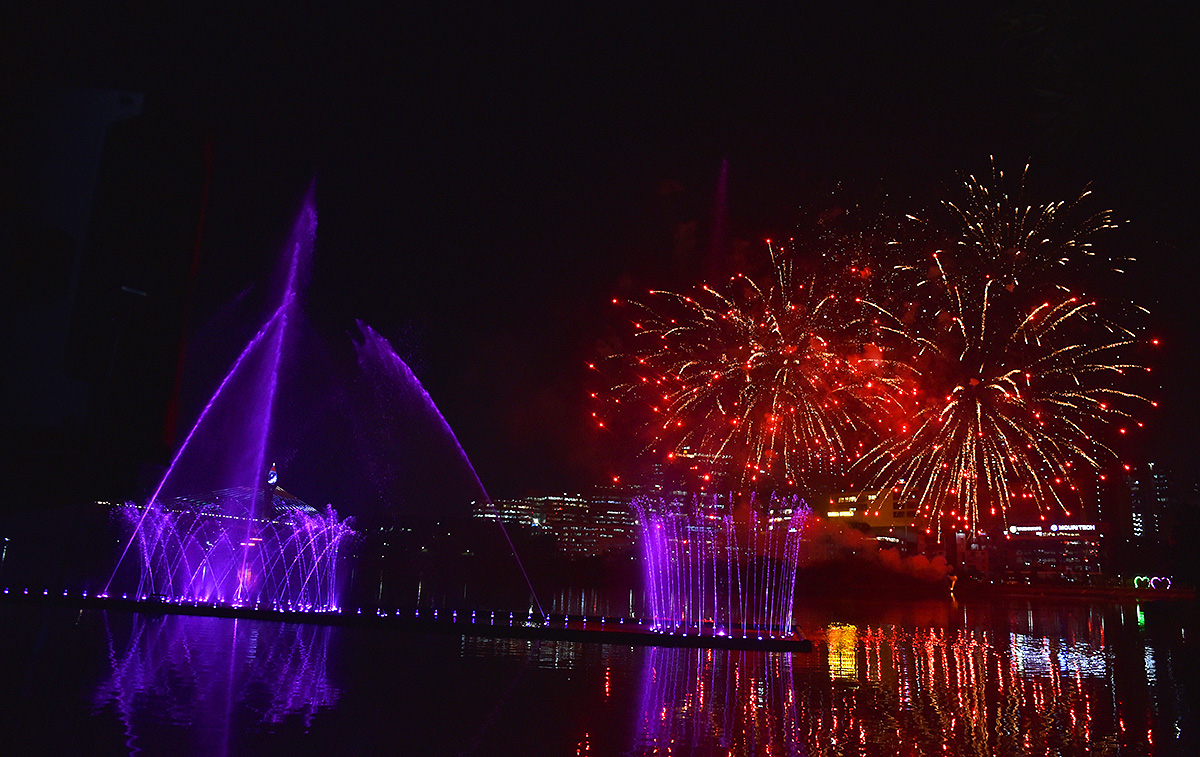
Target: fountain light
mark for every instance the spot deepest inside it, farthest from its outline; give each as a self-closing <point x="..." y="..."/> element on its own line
<point x="707" y="567"/>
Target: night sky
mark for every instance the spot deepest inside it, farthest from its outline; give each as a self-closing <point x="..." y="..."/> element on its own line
<point x="487" y="181"/>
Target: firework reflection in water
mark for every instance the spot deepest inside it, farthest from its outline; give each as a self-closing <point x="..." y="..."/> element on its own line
<point x="717" y="702"/>
<point x="1069" y="680"/>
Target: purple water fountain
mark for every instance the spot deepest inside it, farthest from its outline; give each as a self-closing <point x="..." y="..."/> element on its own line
<point x="715" y="569"/>
<point x="378" y="360"/>
<point x="219" y="528"/>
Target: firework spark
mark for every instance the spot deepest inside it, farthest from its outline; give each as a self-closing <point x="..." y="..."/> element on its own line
<point x="1018" y="372"/>
<point x="766" y="382"/>
<point x="1017" y="243"/>
<point x="988" y="397"/>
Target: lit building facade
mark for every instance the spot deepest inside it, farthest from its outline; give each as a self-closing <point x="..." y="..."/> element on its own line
<point x="1149" y="494"/>
<point x="1077" y="550"/>
<point x="584" y="525"/>
<point x="1146" y="532"/>
<point x="1071" y="551"/>
<point x="892" y="523"/>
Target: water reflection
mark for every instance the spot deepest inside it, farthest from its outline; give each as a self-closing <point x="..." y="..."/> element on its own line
<point x="549" y="654"/>
<point x="709" y="702"/>
<point x="213" y="676"/>
<point x="942" y="679"/>
<point x="1007" y="681"/>
<point x="841" y="640"/>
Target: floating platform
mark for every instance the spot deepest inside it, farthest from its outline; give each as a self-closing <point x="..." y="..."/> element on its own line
<point x="481" y="623"/>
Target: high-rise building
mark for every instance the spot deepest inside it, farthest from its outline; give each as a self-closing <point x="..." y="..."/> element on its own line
<point x="1149" y="490"/>
<point x="1146" y="529"/>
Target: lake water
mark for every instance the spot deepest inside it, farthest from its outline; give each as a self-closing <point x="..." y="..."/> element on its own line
<point x="1005" y="677"/>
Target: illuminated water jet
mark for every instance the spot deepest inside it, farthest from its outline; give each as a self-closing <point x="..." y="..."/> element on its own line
<point x="377" y="356"/>
<point x="715" y="569"/>
<point x="218" y="528"/>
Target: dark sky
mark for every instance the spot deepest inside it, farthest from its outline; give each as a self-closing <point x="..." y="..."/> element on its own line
<point x="487" y="181"/>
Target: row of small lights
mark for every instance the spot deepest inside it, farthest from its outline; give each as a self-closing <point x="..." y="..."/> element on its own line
<point x="183" y="602"/>
<point x="529" y="621"/>
<point x="309" y="608"/>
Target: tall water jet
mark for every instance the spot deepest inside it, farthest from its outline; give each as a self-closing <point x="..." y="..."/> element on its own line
<point x="714" y="569"/>
<point x="405" y="417"/>
<point x="376" y="356"/>
<point x="218" y="527"/>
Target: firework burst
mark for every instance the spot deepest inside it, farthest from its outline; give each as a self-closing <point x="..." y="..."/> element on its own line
<point x="765" y="381"/>
<point x="988" y="397"/>
<point x="1004" y="238"/>
<point x="1018" y="373"/>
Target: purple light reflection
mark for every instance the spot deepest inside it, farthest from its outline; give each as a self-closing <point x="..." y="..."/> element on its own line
<point x="193" y="671"/>
<point x="716" y="702"/>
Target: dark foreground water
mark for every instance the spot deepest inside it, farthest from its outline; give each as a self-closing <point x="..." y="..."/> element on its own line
<point x="938" y="678"/>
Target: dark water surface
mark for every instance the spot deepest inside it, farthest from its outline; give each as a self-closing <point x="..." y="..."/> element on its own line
<point x="931" y="678"/>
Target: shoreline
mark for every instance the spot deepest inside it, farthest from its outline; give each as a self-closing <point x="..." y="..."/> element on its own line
<point x="1117" y="594"/>
<point x="598" y="630"/>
